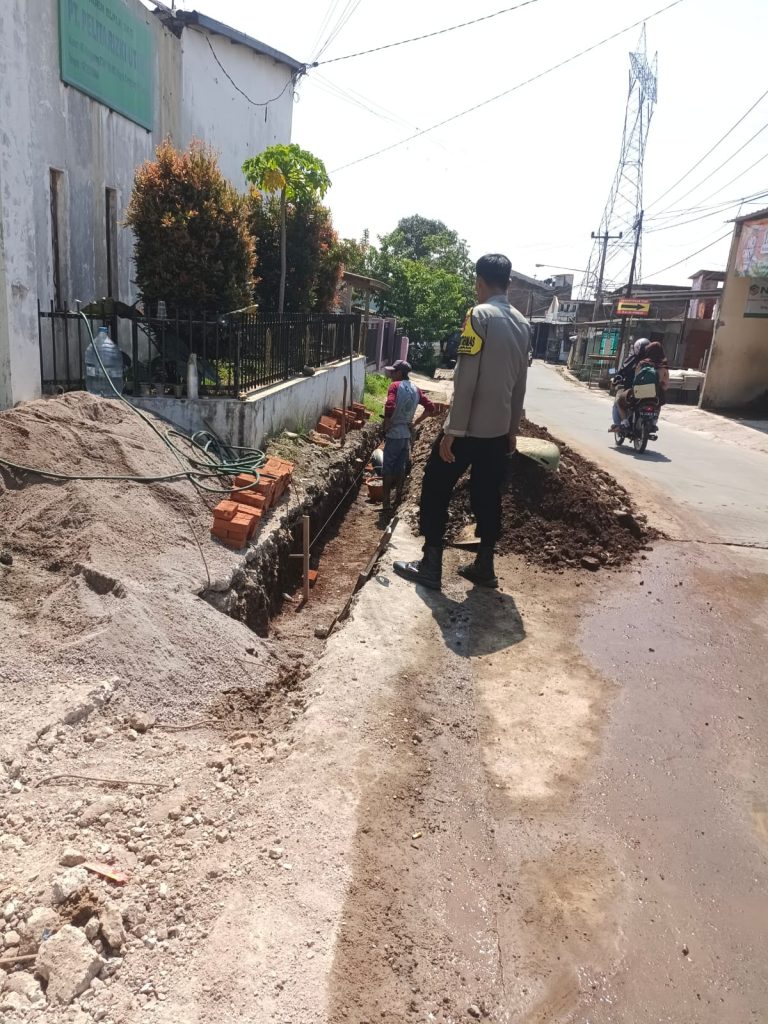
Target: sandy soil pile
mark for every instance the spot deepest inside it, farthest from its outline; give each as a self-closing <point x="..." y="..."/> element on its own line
<point x="138" y="721"/>
<point x="104" y="574"/>
<point x="577" y="517"/>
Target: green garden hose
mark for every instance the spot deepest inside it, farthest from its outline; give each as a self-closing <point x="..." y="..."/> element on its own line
<point x="211" y="463"/>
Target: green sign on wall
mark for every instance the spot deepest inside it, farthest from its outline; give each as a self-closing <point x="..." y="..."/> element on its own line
<point x="106" y="51"/>
<point x="609" y="342"/>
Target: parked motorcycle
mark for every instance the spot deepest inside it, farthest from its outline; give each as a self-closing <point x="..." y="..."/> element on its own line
<point x="643" y="424"/>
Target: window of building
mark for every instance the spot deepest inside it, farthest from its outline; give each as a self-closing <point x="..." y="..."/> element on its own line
<point x="110" y="205"/>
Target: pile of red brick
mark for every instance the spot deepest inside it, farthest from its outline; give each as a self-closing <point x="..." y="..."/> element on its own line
<point x="355" y="416"/>
<point x="236" y="520"/>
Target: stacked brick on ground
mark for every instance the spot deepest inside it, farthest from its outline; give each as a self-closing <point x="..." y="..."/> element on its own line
<point x="236" y="520"/>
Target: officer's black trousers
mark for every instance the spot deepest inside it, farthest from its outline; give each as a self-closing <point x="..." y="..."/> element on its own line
<point x="486" y="458"/>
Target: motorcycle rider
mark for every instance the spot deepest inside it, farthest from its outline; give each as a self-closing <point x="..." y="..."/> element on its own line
<point x="645" y="353"/>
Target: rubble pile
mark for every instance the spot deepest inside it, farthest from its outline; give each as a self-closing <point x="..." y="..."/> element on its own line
<point x="577" y="517"/>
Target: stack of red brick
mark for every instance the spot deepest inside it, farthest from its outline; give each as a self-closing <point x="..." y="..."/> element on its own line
<point x="356" y="416"/>
<point x="236" y="520"/>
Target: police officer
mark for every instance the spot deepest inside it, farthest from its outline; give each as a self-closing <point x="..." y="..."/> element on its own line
<point x="481" y="429"/>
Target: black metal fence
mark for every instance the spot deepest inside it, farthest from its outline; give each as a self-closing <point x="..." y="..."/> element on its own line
<point x="236" y="353"/>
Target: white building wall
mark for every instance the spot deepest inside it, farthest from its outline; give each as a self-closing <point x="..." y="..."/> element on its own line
<point x="45" y="124"/>
<point x="214" y="110"/>
<point x="19" y="352"/>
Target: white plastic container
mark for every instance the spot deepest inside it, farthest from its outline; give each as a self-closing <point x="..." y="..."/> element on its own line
<point x="97" y="382"/>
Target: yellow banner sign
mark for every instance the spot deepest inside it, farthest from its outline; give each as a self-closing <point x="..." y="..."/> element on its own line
<point x="633" y="307"/>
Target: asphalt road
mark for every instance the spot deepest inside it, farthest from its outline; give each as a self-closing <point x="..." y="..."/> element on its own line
<point x="723" y="485"/>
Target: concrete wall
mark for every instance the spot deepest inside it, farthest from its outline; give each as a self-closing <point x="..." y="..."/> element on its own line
<point x="47" y="125"/>
<point x="738" y="364"/>
<point x="297" y="403"/>
<point x="214" y="110"/>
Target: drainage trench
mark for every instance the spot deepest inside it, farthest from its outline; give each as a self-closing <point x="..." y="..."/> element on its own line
<point x="345" y="528"/>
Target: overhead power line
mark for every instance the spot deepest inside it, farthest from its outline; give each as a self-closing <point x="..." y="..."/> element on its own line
<point x="428" y="35"/>
<point x="341" y="23"/>
<point x="714" y="212"/>
<point x="711" y="150"/>
<point x="736" y="177"/>
<point x="372" y="107"/>
<point x="507" y="92"/>
<point x="324" y="24"/>
<point x="689" y="257"/>
<point x="255" y="103"/>
<point x="720" y="167"/>
<point x="723" y="203"/>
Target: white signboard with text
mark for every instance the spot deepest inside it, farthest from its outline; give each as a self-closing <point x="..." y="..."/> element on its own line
<point x="757" y="300"/>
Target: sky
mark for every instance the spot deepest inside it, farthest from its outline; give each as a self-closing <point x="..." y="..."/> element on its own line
<point x="528" y="174"/>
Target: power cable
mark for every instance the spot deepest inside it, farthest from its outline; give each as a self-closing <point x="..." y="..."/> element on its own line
<point x="427" y="35"/>
<point x="736" y="178"/>
<point x="344" y="17"/>
<point x="688" y="257"/>
<point x="507" y="92"/>
<point x="719" y="168"/>
<point x="705" y="216"/>
<point x="723" y="204"/>
<point x="256" y="103"/>
<point x="365" y="103"/>
<point x="329" y="12"/>
<point x="709" y="151"/>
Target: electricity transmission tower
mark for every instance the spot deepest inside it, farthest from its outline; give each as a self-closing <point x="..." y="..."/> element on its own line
<point x="621" y="222"/>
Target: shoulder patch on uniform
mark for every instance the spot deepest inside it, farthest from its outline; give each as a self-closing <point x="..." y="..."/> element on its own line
<point x="470" y="343"/>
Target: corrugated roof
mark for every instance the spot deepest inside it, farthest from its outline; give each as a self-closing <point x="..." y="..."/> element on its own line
<point x="751" y="216"/>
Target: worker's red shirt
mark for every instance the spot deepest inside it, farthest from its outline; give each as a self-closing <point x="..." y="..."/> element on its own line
<point x="389" y="406"/>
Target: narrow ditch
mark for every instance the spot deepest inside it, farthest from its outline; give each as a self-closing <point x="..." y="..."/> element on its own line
<point x="344" y="530"/>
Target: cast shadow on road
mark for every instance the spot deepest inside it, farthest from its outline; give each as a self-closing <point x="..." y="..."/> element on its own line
<point x="484" y="622"/>
<point x="646" y="456"/>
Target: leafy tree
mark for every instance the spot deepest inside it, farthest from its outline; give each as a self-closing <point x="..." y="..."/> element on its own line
<point x="428" y="241"/>
<point x="312" y="256"/>
<point x="193" y="247"/>
<point x="430" y="274"/>
<point x="410" y="237"/>
<point x="428" y="301"/>
<point x="357" y="256"/>
<point x="296" y="176"/>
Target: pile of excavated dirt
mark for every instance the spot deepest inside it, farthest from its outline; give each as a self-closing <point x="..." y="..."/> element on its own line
<point x="578" y="516"/>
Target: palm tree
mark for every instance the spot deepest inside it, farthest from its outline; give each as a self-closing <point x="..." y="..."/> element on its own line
<point x="297" y="175"/>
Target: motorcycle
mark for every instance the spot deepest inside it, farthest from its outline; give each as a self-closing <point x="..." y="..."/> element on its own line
<point x="642" y="424"/>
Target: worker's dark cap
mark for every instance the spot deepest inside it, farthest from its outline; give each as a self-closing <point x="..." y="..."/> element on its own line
<point x="399" y="364"/>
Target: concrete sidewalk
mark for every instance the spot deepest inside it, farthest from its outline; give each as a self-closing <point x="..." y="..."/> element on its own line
<point x="747" y="434"/>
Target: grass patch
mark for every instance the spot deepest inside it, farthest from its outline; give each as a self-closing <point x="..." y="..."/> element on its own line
<point x="376" y="387"/>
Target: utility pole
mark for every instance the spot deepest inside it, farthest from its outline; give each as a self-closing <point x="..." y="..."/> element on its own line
<point x="631" y="281"/>
<point x="604" y="240"/>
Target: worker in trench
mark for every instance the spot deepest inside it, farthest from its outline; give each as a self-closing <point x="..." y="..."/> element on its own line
<point x="481" y="429"/>
<point x="403" y="399"/>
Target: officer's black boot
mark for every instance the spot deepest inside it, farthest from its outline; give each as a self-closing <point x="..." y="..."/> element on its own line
<point x="481" y="571"/>
<point x="428" y="572"/>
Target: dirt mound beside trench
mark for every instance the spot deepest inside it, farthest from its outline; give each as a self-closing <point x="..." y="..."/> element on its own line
<point x="103" y="575"/>
<point x="579" y="516"/>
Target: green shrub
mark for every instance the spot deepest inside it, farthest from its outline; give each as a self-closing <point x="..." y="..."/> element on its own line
<point x="193" y="246"/>
<point x="376" y="387"/>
